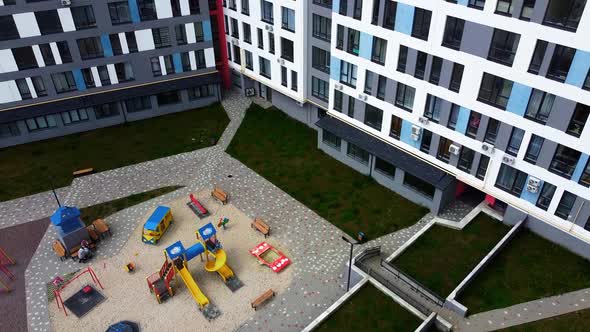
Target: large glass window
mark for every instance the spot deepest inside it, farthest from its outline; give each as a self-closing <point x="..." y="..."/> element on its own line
<point x="384" y="168"/>
<point x="47" y="54"/>
<point x="354" y="37"/>
<point x="503" y="47"/>
<point x="330" y="139"/>
<point x="538" y="55"/>
<point x="321" y="27"/>
<point x="338" y="100"/>
<point x="527" y="10"/>
<point x="286" y="49"/>
<point x="545" y="196"/>
<point x="161" y="37"/>
<point x="426" y="141"/>
<point x="267" y="11"/>
<point x="90" y="48"/>
<point x="357" y="9"/>
<point x="435" y="70"/>
<point x="83" y="17"/>
<point x="456" y="77"/>
<point x="453" y="116"/>
<point x="534" y="149"/>
<point x="465" y="159"/>
<point x="492" y="131"/>
<point x="453" y="32"/>
<point x="379" y="50"/>
<point x="565" y="205"/>
<point x="564" y="14"/>
<point x="402" y="58"/>
<point x="578" y="120"/>
<point x="504" y="7"/>
<point x="381" y="85"/>
<point x="419" y="185"/>
<point x="373" y="117"/>
<point x="320" y="59"/>
<point x="421" y="24"/>
<point x="473" y="124"/>
<point x="39" y="86"/>
<point x="511" y="180"/>
<point x="482" y="168"/>
<point x="48" y="22"/>
<point x="9" y="129"/>
<point x="24" y="57"/>
<point x="396" y="127"/>
<point x="107" y="110"/>
<point x="124" y="72"/>
<point x="564" y="161"/>
<point x="288" y="19"/>
<point x="368" y="82"/>
<point x="147" y="10"/>
<point x="323" y="3"/>
<point x="585" y="177"/>
<point x="41" y="122"/>
<point x="420" y="65"/>
<point x="9" y="30"/>
<point x="443" y="152"/>
<point x="433" y="107"/>
<point x="23" y="89"/>
<point x="539" y="107"/>
<point x="495" y="90"/>
<point x="74" y="116"/>
<point x="357" y="154"/>
<point x="515" y="141"/>
<point x="168" y="98"/>
<point x="561" y="63"/>
<point x="319" y="88"/>
<point x="389" y="13"/>
<point x="404" y="97"/>
<point x="63" y="82"/>
<point x="139" y="104"/>
<point x="264" y="67"/>
<point x="348" y="73"/>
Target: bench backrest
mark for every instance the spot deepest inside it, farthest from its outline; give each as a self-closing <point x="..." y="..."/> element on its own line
<point x="261" y="223"/>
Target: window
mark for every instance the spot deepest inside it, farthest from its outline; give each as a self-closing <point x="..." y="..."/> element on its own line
<point x="340" y="37"/>
<point x="245" y="6"/>
<point x="41" y="122"/>
<point x="156" y="68"/>
<point x="426" y="141"/>
<point x="419" y="185"/>
<point x="453" y="32"/>
<point x="504" y="7"/>
<point x="74" y="116"/>
<point x="376" y="10"/>
<point x="271" y="43"/>
<point x="247" y="32"/>
<point x="249" y="60"/>
<point x="338" y="97"/>
<point x="23" y="89"/>
<point x="323" y="3"/>
<point x="379" y="50"/>
<point x="83" y="17"/>
<point x="47" y="54"/>
<point x="421" y="25"/>
<point x="235" y="30"/>
<point x="119" y="12"/>
<point x="226" y="24"/>
<point x="88" y="78"/>
<point x="320" y="59"/>
<point x="545" y="196"/>
<point x="9" y="30"/>
<point x="260" y="39"/>
<point x="420" y="65"/>
<point x="503" y="47"/>
<point x="195" y="8"/>
<point x="443" y="152"/>
<point x="585" y="177"/>
<point x="24" y="57"/>
<point x="264" y="65"/>
<point x="389" y="15"/>
<point x="534" y="149"/>
<point x="384" y="168"/>
<point x="161" y="37"/>
<point x="473" y="124"/>
<point x="560" y="63"/>
<point x="515" y="141"/>
<point x="147" y="10"/>
<point x="48" y="22"/>
<point x="202" y="91"/>
<point x="456" y="77"/>
<point x="402" y="59"/>
<point x="578" y="120"/>
<point x="564" y="161"/>
<point x="357" y="10"/>
<point x="39" y="86"/>
<point x="511" y="180"/>
<point x="131" y="41"/>
<point x="351" y="102"/>
<point x="63" y="82"/>
<point x="107" y="110"/>
<point x="539" y="107"/>
<point x="319" y="88"/>
<point x="586" y="85"/>
<point x="538" y="56"/>
<point x="404" y="97"/>
<point x="354" y="38"/>
<point x="330" y="139"/>
<point x="492" y="131"/>
<point x="284" y="79"/>
<point x="286" y="49"/>
<point x="347" y="73"/>
<point x="381" y="84"/>
<point x="9" y="129"/>
<point x="435" y="70"/>
<point x="495" y="90"/>
<point x="124" y="72"/>
<point x="453" y="116"/>
<point x="138" y="104"/>
<point x="527" y="10"/>
<point x="565" y="205"/>
<point x="357" y="154"/>
<point x="477" y="4"/>
<point x="293" y="80"/>
<point x="267" y="11"/>
<point x="564" y="14"/>
<point x="321" y="27"/>
<point x="90" y="48"/>
<point x="103" y="74"/>
<point x="482" y="168"/>
<point x="321" y="112"/>
<point x="465" y="159"/>
<point x="168" y="98"/>
<point x="180" y="32"/>
<point x="368" y="82"/>
<point x="199" y="34"/>
<point x="433" y="106"/>
<point x="373" y="117"/>
<point x="232" y="4"/>
<point x="64" y="51"/>
<point x="288" y="19"/>
<point x="343" y="8"/>
<point x="396" y="127"/>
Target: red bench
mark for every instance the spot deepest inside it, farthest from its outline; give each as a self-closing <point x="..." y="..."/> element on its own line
<point x="197" y="207"/>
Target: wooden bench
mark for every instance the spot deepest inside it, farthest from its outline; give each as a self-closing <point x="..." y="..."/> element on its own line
<point x="92" y="233"/>
<point x="82" y="172"/>
<point x="261" y="226"/>
<point x="263" y="298"/>
<point x="59" y="250"/>
<point x="101" y="227"/>
<point x="219" y="195"/>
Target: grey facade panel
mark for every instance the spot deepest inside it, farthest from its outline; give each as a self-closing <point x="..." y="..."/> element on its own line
<point x="476" y="39"/>
<point x="561" y="113"/>
<point x="546" y="154"/>
<point x="503" y="138"/>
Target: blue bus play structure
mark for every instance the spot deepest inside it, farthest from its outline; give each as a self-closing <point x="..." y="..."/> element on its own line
<point x="70" y="228"/>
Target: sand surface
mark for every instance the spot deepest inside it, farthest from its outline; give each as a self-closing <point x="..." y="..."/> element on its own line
<point x="128" y="297"/>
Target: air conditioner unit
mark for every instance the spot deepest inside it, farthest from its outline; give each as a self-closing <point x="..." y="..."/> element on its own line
<point x="533" y="184"/>
<point x="508" y="160"/>
<point x="416" y="130"/>
<point x="423" y="120"/>
<point x="281" y="61"/>
<point x="454" y="149"/>
<point x="415" y="137"/>
<point x="338" y="86"/>
<point x="487" y="148"/>
<point x="66" y="2"/>
<point x="268" y="28"/>
<point x="363" y="97"/>
<point x="235" y="41"/>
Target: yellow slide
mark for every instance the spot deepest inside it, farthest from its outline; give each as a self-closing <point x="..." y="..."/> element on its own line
<point x="219" y="266"/>
<point x="190" y="283"/>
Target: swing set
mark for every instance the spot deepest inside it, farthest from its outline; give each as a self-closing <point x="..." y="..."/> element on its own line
<point x="6" y="260"/>
<point x="57" y="292"/>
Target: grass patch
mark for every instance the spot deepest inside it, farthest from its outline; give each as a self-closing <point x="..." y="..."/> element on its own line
<point x="285" y="152"/>
<point x="26" y="169"/>
<point x="529" y="268"/>
<point x="370" y="310"/>
<point x="577" y="321"/>
<point x="103" y="210"/>
<point x="442" y="257"/>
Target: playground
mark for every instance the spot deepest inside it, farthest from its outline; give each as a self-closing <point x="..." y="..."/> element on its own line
<point x="127" y="296"/>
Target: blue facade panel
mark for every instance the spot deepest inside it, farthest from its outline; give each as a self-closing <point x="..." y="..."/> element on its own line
<point x="463" y="2"/>
<point x="336" y="5"/>
<point x="406" y="135"/>
<point x="580" y="167"/>
<point x="177" y="62"/>
<point x="335" y="68"/>
<point x="462" y="120"/>
<point x="519" y="98"/>
<point x="106" y="45"/>
<point x="404" y="18"/>
<point x="579" y="69"/>
<point x="207" y="35"/>
<point x="134" y="11"/>
<point x="365" y="45"/>
<point x="79" y="79"/>
<point x="529" y="196"/>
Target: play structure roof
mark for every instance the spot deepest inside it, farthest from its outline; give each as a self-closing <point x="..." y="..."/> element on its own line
<point x="153" y="221"/>
<point x="175" y="249"/>
<point x="207" y="231"/>
<point x="64" y="214"/>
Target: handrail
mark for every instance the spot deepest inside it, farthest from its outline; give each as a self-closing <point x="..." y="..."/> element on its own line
<point x="414" y="284"/>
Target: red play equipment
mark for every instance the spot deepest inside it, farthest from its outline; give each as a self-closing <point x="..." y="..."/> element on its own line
<point x="159" y="282"/>
<point x="4" y="261"/>
<point x="58" y="299"/>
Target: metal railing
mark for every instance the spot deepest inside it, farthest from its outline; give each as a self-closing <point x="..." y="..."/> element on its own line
<point x="414" y="284"/>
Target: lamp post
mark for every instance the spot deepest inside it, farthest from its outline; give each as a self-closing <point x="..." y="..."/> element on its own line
<point x="352" y="243"/>
<point x="54" y="193"/>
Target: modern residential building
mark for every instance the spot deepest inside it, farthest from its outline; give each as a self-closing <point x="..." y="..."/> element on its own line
<point x="437" y="98"/>
<point x="73" y="65"/>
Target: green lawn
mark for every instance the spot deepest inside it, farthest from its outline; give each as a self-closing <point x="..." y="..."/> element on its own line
<point x="285" y="152"/>
<point x="26" y="169"/>
<point x="103" y="210"/>
<point x="370" y="310"/>
<point x="442" y="257"/>
<point x="578" y="321"/>
<point x="529" y="268"/>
